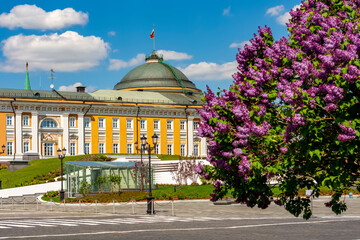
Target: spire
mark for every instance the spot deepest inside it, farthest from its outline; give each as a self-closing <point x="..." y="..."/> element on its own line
<point x="27" y="80"/>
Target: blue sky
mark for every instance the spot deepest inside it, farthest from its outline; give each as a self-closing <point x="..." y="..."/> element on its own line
<point x="96" y="43"/>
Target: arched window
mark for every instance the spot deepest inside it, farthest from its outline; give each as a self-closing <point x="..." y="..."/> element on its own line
<point x="48" y="123"/>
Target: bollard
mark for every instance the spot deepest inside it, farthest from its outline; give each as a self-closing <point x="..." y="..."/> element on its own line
<point x="132" y="206"/>
<point x="80" y="204"/>
<point x="113" y="206"/>
<point x="172" y="208"/>
<point x="12" y="203"/>
<point x="37" y="204"/>
<point x="24" y="203"/>
<point x="51" y="204"/>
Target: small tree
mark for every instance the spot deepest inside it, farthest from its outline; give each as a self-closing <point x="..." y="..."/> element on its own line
<point x="115" y="180"/>
<point x="185" y="170"/>
<point x="102" y="181"/>
<point x="84" y="188"/>
<point x="141" y="174"/>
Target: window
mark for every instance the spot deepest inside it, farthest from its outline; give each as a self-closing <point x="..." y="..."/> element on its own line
<point x="101" y="122"/>
<point x="129" y="123"/>
<point x="129" y="148"/>
<point x="9" y="120"/>
<point x="87" y="121"/>
<point x="48" y="123"/>
<point x="182" y="125"/>
<point x="72" y="148"/>
<point x="72" y="122"/>
<point x="169" y="124"/>
<point x="156" y="124"/>
<point x="48" y="149"/>
<point x="26" y="120"/>
<point x="101" y="148"/>
<point x="9" y="148"/>
<point x="26" y="147"/>
<point x="115" y="123"/>
<point x="156" y="149"/>
<point x="182" y="150"/>
<point x="196" y="125"/>
<point x="87" y="148"/>
<point x="142" y="124"/>
<point x="115" y="148"/>
<point x="196" y="150"/>
<point x="169" y="149"/>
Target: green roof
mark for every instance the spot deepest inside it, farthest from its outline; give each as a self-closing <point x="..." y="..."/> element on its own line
<point x="154" y="74"/>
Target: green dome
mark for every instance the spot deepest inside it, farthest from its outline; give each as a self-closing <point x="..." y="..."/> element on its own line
<point x="155" y="76"/>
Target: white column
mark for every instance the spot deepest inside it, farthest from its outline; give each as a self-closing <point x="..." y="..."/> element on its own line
<point x="190" y="139"/>
<point x="35" y="132"/>
<point x="18" y="132"/>
<point x="65" y="126"/>
<point x="203" y="147"/>
<point x="81" y="133"/>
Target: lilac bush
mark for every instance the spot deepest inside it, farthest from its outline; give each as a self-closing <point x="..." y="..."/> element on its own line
<point x="291" y="113"/>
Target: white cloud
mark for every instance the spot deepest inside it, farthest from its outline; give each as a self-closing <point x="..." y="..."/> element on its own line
<point x="72" y="88"/>
<point x="210" y="71"/>
<point x="32" y="17"/>
<point x="284" y="18"/>
<point x="116" y="64"/>
<point x="67" y="52"/>
<point x="226" y="11"/>
<point x="239" y="45"/>
<point x="172" y="55"/>
<point x="274" y="11"/>
<point x="112" y="33"/>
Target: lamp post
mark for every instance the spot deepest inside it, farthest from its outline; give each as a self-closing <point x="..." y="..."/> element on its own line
<point x="155" y="138"/>
<point x="61" y="155"/>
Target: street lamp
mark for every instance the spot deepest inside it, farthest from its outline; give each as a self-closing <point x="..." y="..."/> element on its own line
<point x="155" y="138"/>
<point x="61" y="155"/>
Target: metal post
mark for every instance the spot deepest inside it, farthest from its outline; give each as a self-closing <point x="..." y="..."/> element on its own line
<point x="150" y="209"/>
<point x="132" y="206"/>
<point x="62" y="194"/>
<point x="12" y="203"/>
<point x="24" y="203"/>
<point x="113" y="206"/>
<point x="172" y="208"/>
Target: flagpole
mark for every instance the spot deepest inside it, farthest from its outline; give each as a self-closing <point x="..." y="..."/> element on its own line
<point x="154" y="36"/>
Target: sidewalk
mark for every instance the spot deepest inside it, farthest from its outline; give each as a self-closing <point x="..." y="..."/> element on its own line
<point x="32" y="189"/>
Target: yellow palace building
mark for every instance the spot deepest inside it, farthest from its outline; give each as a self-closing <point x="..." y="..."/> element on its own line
<point x="154" y="97"/>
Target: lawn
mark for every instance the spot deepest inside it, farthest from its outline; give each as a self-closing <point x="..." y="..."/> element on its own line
<point x="36" y="169"/>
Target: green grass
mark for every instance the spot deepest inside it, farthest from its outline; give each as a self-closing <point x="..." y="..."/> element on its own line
<point x="36" y="168"/>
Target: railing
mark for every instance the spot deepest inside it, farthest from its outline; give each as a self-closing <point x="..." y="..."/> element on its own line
<point x="33" y="203"/>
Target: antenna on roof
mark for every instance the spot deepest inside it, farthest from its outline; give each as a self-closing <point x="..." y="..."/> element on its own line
<point x="52" y="78"/>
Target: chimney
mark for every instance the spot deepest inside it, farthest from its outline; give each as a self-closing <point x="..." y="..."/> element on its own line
<point x="80" y="89"/>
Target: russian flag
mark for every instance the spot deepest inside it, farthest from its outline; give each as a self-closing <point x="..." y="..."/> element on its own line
<point x="152" y="34"/>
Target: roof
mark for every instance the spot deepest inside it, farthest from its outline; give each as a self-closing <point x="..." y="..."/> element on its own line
<point x="155" y="75"/>
<point x="105" y="95"/>
<point x="101" y="164"/>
